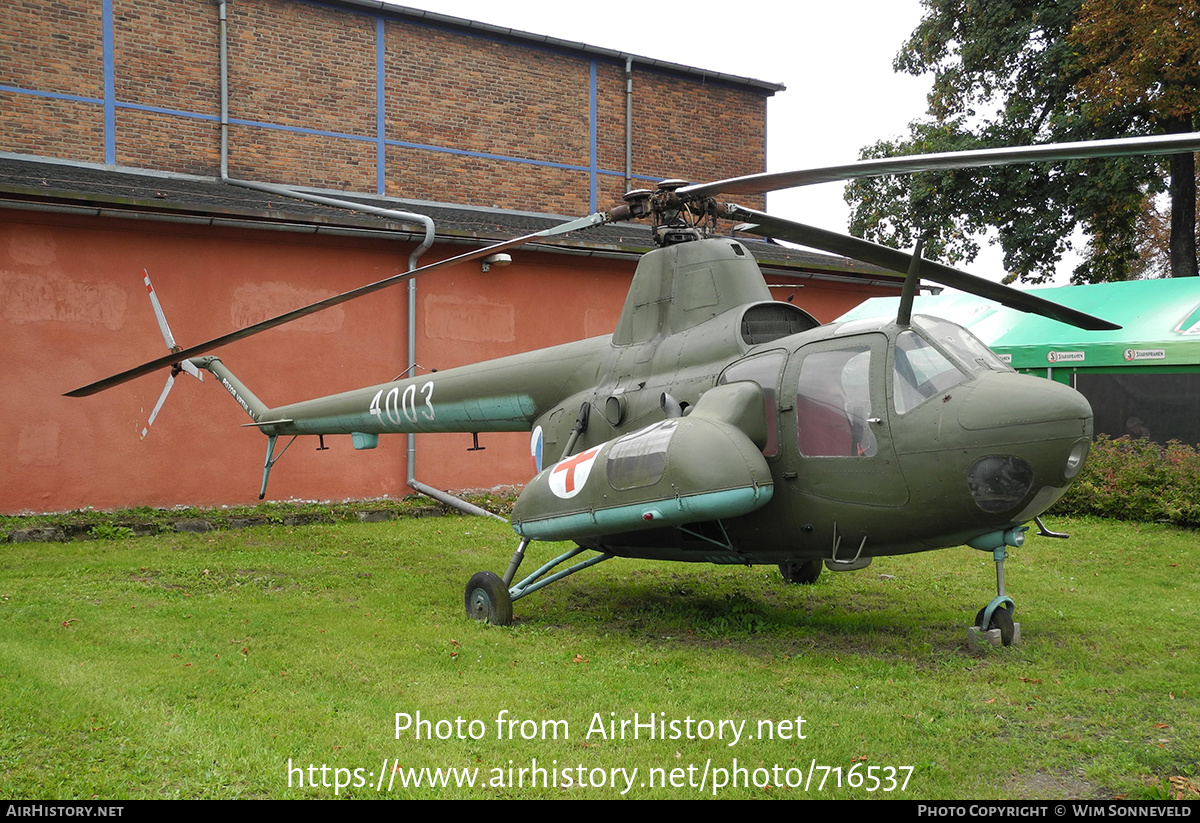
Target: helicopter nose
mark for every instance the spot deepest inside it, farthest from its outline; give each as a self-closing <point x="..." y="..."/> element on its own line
<point x="1038" y="408"/>
<point x="1036" y="433"/>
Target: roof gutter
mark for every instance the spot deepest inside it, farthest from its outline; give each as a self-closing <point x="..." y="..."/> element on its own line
<point x="431" y="18"/>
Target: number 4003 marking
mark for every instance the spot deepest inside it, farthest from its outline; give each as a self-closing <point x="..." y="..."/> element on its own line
<point x="397" y="405"/>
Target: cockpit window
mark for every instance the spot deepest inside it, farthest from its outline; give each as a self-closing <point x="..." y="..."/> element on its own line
<point x="833" y="404"/>
<point x="920" y="372"/>
<point x="960" y="343"/>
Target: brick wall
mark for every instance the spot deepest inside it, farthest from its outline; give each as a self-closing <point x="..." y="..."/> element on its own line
<point x="467" y="117"/>
<point x="52" y="47"/>
<point x="56" y="51"/>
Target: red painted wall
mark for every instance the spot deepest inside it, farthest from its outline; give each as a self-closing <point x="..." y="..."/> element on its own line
<point x="73" y="309"/>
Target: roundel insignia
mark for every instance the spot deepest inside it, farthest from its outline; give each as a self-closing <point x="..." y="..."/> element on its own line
<point x="568" y="476"/>
<point x="536" y="440"/>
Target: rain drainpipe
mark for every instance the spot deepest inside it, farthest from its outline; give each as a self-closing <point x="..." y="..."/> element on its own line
<point x="407" y="217"/>
<point x="628" y="124"/>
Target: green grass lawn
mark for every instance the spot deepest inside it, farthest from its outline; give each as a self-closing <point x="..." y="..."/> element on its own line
<point x="200" y="665"/>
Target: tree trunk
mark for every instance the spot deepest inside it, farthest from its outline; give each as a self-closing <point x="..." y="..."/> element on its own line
<point x="1183" y="207"/>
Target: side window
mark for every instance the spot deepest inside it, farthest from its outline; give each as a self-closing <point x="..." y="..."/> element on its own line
<point x="640" y="459"/>
<point x="763" y="369"/>
<point x="833" y="403"/>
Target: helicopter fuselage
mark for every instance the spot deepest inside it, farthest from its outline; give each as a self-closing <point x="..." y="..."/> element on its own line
<point x="851" y="440"/>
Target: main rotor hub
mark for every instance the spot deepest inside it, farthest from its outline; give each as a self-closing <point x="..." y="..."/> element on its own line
<point x="673" y="219"/>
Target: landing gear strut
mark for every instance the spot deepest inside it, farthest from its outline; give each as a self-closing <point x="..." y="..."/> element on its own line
<point x="489" y="598"/>
<point x="994" y="622"/>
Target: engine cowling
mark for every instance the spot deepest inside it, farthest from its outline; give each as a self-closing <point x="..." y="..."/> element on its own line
<point x="677" y="471"/>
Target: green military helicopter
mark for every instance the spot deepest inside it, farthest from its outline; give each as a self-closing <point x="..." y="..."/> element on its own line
<point x="717" y="425"/>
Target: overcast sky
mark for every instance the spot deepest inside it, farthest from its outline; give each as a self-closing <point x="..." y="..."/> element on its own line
<point x="834" y="58"/>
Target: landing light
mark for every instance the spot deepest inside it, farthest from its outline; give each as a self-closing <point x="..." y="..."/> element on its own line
<point x="1075" y="460"/>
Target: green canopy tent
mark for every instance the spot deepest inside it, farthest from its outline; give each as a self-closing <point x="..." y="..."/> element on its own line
<point x="1142" y="380"/>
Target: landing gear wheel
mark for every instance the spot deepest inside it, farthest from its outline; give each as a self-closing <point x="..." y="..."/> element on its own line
<point x="801" y="571"/>
<point x="1002" y="620"/>
<point x="487" y="600"/>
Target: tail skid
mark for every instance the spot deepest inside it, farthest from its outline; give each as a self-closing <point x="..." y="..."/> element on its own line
<point x="253" y="407"/>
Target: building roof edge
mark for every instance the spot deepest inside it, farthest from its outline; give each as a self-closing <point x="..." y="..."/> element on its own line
<point x="488" y="29"/>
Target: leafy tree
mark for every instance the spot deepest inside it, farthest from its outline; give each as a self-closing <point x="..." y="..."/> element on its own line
<point x="1143" y="56"/>
<point x="1154" y="237"/>
<point x="1013" y="72"/>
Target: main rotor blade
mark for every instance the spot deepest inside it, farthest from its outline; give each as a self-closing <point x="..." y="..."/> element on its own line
<point x="895" y="260"/>
<point x="596" y="219"/>
<point x="763" y="183"/>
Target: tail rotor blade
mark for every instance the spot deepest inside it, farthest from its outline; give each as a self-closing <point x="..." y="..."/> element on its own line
<point x="168" y="338"/>
<point x="190" y="367"/>
<point x="162" y="398"/>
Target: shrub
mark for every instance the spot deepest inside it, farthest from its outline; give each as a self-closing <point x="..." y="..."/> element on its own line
<point x="109" y="531"/>
<point x="1137" y="480"/>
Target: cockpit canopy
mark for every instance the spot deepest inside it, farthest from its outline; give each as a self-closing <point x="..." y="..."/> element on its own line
<point x="933" y="356"/>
